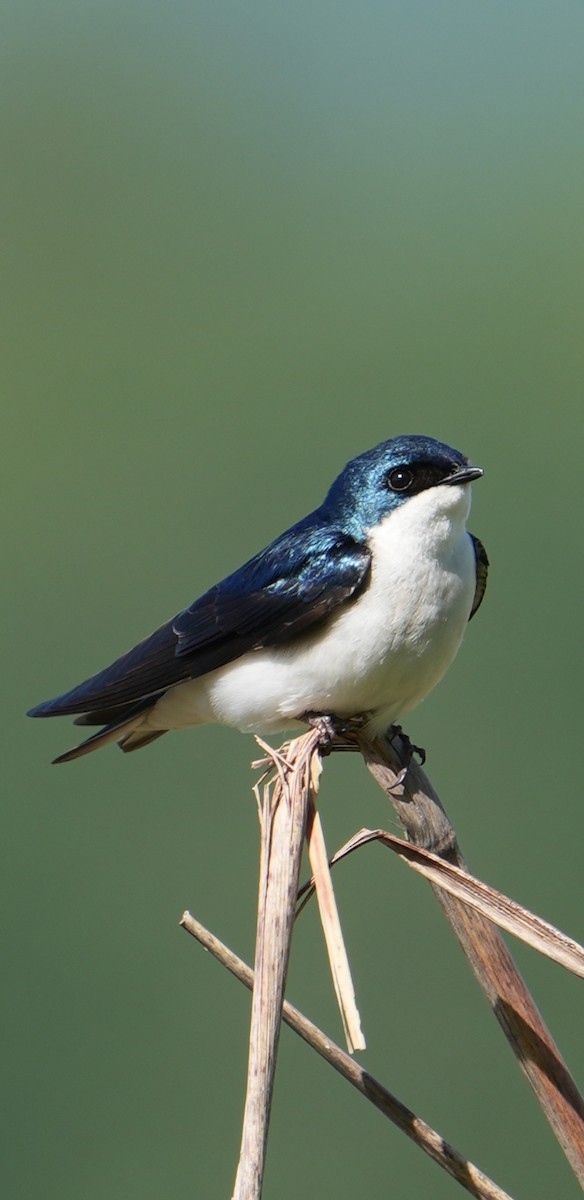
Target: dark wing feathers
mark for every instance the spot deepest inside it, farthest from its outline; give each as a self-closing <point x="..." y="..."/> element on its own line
<point x="116" y="712"/>
<point x="281" y="592"/>
<point x="275" y="610"/>
<point x="482" y="571"/>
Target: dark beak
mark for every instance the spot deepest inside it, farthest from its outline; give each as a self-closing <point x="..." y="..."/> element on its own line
<point x="464" y="475"/>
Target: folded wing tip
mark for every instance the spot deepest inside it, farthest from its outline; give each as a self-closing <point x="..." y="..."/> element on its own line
<point x="40" y="710"/>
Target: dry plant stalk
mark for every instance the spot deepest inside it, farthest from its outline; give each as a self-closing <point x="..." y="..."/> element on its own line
<point x="282" y="804"/>
<point x="282" y="761"/>
<point x="286" y="798"/>
<point x="427" y="825"/>
<point x="500" y="909"/>
<point x="475" y="1182"/>
<point x="329" y="916"/>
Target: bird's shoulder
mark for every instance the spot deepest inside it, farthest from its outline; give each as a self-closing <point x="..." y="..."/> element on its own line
<point x="295" y="580"/>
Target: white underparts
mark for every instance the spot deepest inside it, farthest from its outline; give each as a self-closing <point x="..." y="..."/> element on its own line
<point x="380" y="653"/>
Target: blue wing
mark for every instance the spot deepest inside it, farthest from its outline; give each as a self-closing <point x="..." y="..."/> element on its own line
<point x="482" y="571"/>
<point x="287" y="588"/>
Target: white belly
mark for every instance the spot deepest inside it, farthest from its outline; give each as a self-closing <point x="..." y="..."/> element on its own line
<point x="380" y="654"/>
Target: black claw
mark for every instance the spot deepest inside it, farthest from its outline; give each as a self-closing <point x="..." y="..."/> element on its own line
<point x="409" y="749"/>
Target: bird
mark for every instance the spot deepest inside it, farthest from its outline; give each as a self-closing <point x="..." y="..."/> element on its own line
<point x="355" y="611"/>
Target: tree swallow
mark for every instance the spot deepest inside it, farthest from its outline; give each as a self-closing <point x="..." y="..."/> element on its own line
<point x="358" y="609"/>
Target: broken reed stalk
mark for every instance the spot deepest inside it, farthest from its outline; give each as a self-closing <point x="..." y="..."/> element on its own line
<point x="504" y="912"/>
<point x="282" y="804"/>
<point x="427" y="826"/>
<point x="331" y="926"/>
<point x="427" y="1139"/>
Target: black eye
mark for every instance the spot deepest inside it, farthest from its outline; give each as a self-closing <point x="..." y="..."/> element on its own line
<point x="400" y="479"/>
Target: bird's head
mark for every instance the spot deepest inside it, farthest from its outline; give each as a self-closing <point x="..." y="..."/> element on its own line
<point x="383" y="479"/>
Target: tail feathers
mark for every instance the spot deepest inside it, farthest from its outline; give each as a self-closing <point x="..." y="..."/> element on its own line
<point x="135" y="741"/>
<point x="125" y="730"/>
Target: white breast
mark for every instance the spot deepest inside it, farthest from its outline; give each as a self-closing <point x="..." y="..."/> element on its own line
<point x="381" y="653"/>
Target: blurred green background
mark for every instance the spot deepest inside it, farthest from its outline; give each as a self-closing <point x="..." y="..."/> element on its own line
<point x="242" y="243"/>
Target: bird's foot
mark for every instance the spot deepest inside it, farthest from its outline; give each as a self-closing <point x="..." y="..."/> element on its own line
<point x="409" y="750"/>
<point x="330" y="728"/>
